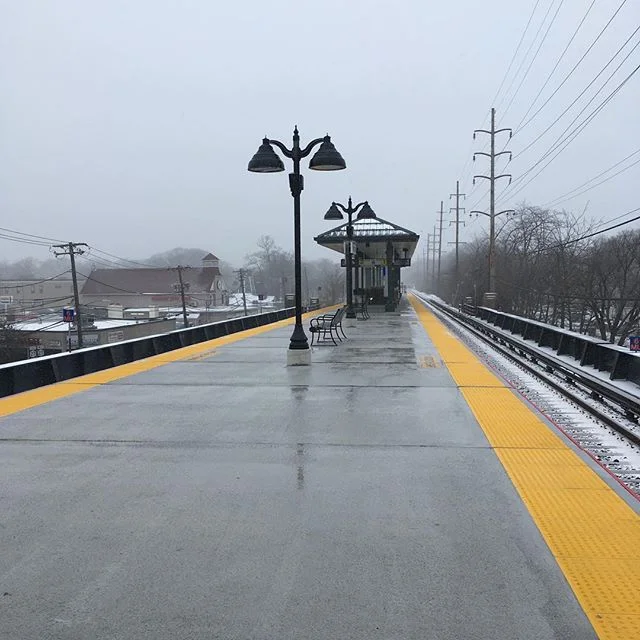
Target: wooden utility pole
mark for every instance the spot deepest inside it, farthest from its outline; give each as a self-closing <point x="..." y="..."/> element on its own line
<point x="73" y="249"/>
<point x="182" y="286"/>
<point x="241" y="275"/>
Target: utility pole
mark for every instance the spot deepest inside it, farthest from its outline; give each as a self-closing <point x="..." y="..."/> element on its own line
<point x="241" y="274"/>
<point x="440" y="244"/>
<point x="426" y="280"/>
<point x="182" y="286"/>
<point x="458" y="222"/>
<point x="433" y="259"/>
<point x="73" y="249"/>
<point x="492" y="177"/>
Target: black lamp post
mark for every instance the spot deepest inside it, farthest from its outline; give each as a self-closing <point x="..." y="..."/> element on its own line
<point x="334" y="214"/>
<point x="266" y="160"/>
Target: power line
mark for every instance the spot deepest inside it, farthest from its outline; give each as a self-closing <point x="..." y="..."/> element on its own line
<point x="31" y="283"/>
<point x="570" y="195"/>
<point x="558" y="61"/>
<point x="562" y="295"/>
<point x="594" y="233"/>
<point x="46" y="303"/>
<point x="45" y="328"/>
<point x="615" y="226"/>
<point x="24" y="240"/>
<point x="134" y="262"/>
<point x="526" y="54"/>
<point x="535" y="37"/>
<point x="623" y="215"/>
<point x="111" y="286"/>
<point x="103" y="262"/>
<point x="30" y="235"/>
<point x="466" y="169"/>
<point x="569" y="138"/>
<point x="483" y="196"/>
<point x="535" y="6"/>
<point x="584" y="55"/>
<point x="585" y="90"/>
<point x="535" y="55"/>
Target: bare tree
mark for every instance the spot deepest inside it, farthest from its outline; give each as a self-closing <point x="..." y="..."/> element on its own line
<point x="537" y="254"/>
<point x="612" y="285"/>
<point x="332" y="277"/>
<point x="271" y="265"/>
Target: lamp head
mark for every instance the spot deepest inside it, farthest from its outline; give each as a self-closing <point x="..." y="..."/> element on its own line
<point x="327" y="158"/>
<point x="366" y="212"/>
<point x="333" y="213"/>
<point x="265" y="160"/>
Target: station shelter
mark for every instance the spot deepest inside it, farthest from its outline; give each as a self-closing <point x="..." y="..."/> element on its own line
<point x="379" y="249"/>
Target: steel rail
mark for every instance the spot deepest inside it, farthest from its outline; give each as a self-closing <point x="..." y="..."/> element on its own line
<point x="597" y="391"/>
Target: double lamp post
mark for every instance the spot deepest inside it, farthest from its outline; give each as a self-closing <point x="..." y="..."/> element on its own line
<point x="334" y="214"/>
<point x="266" y="160"/>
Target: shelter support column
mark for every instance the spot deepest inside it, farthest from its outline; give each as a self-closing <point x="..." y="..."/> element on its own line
<point x="389" y="298"/>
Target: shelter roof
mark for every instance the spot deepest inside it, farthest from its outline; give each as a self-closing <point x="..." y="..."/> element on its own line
<point x="375" y="229"/>
<point x="371" y="236"/>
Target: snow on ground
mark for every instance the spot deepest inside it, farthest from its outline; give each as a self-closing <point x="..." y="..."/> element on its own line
<point x="235" y="300"/>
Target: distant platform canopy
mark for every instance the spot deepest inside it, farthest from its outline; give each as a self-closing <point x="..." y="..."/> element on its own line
<point x="372" y="236"/>
<point x="379" y="250"/>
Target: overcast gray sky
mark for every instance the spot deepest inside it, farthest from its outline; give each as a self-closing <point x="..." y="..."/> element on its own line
<point x="129" y="124"/>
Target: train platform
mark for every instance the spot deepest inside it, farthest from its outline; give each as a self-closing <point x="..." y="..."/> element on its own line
<point x="395" y="489"/>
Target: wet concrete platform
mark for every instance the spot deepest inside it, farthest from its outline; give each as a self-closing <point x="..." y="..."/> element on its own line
<point x="229" y="496"/>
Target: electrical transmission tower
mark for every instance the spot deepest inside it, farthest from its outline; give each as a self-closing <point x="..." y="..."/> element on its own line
<point x="432" y="240"/>
<point x="492" y="177"/>
<point x="457" y="195"/>
<point x="426" y="271"/>
<point x="73" y="249"/>
<point x="439" y="290"/>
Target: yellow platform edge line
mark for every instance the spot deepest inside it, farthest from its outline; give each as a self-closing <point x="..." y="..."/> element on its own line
<point x="34" y="397"/>
<point x="591" y="531"/>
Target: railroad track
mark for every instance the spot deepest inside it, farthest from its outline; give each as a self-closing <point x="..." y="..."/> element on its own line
<point x="617" y="410"/>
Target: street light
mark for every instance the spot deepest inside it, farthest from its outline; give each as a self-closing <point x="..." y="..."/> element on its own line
<point x="266" y="160"/>
<point x="334" y="214"/>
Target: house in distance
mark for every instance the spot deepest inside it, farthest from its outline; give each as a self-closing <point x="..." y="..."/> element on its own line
<point x="156" y="287"/>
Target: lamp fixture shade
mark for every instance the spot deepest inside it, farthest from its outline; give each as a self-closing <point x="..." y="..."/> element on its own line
<point x="333" y="213"/>
<point x="366" y="212"/>
<point x="327" y="158"/>
<point x="266" y="160"/>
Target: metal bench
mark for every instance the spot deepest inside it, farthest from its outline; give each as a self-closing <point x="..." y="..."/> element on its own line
<point x="327" y="325"/>
<point x="361" y="310"/>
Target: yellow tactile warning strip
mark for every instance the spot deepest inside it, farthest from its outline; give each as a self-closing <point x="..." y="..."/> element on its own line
<point x="28" y="399"/>
<point x="593" y="534"/>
